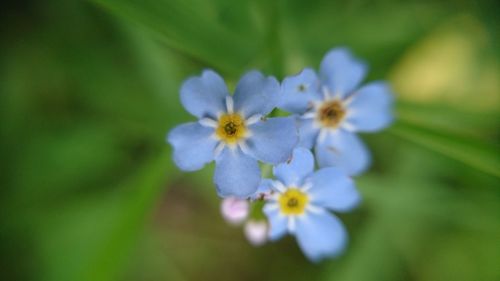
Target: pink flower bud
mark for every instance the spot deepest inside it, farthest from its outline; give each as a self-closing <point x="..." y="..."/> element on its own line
<point x="234" y="210"/>
<point x="256" y="232"/>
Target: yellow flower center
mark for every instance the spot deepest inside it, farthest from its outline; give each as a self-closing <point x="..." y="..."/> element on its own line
<point x="293" y="202"/>
<point x="231" y="128"/>
<point x="331" y="113"/>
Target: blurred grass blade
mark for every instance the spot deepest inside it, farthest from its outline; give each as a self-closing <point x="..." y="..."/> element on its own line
<point x="97" y="234"/>
<point x="474" y="123"/>
<point x="193" y="28"/>
<point x="145" y="190"/>
<point x="478" y="154"/>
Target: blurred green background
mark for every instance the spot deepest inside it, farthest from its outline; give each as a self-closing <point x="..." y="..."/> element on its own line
<point x="89" y="90"/>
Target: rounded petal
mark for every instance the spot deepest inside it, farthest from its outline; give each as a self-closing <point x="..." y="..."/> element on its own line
<point x="298" y="91"/>
<point x="256" y="94"/>
<point x="308" y="133"/>
<point x="277" y="223"/>
<point x="293" y="172"/>
<point x="343" y="150"/>
<point x="193" y="145"/>
<point x="204" y="95"/>
<point x="320" y="235"/>
<point x="273" y="140"/>
<point x="236" y="174"/>
<point x="370" y="107"/>
<point x="332" y="189"/>
<point x="341" y="72"/>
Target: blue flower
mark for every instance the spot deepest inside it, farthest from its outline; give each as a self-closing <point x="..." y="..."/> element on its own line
<point x="332" y="108"/>
<point x="301" y="202"/>
<point x="232" y="130"/>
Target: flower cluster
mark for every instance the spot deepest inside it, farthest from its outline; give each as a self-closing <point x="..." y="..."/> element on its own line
<point x="235" y="131"/>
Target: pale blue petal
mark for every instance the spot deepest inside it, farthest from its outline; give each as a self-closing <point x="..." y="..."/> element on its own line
<point x="320" y="235"/>
<point x="332" y="189"/>
<point x="236" y="174"/>
<point x="297" y="92"/>
<point x="256" y="94"/>
<point x="193" y="146"/>
<point x="204" y="95"/>
<point x="293" y="172"/>
<point x="370" y="108"/>
<point x="344" y="150"/>
<point x="277" y="222"/>
<point x="341" y="72"/>
<point x="265" y="188"/>
<point x="273" y="140"/>
<point x="308" y="133"/>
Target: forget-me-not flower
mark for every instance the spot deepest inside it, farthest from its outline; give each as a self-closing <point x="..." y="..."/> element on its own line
<point x="232" y="130"/>
<point x="333" y="107"/>
<point x="301" y="202"/>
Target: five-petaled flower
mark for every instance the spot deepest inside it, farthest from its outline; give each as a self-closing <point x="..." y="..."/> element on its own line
<point x="232" y="130"/>
<point x="333" y="108"/>
<point x="301" y="202"/>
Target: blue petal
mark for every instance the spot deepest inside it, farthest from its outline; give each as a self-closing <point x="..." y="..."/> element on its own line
<point x="193" y="145"/>
<point x="273" y="140"/>
<point x="205" y="95"/>
<point x="341" y="72"/>
<point x="265" y="188"/>
<point x="256" y="94"/>
<point x="293" y="172"/>
<point x="277" y="222"/>
<point x="370" y="107"/>
<point x="344" y="150"/>
<point x="236" y="174"/>
<point x="298" y="91"/>
<point x="320" y="235"/>
<point x="332" y="189"/>
<point x="308" y="133"/>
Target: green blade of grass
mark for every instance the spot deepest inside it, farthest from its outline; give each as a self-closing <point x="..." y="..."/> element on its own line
<point x="95" y="236"/>
<point x="476" y="153"/>
<point x="188" y="28"/>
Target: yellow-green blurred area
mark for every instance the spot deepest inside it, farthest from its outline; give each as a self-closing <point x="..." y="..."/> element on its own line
<point x="89" y="90"/>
